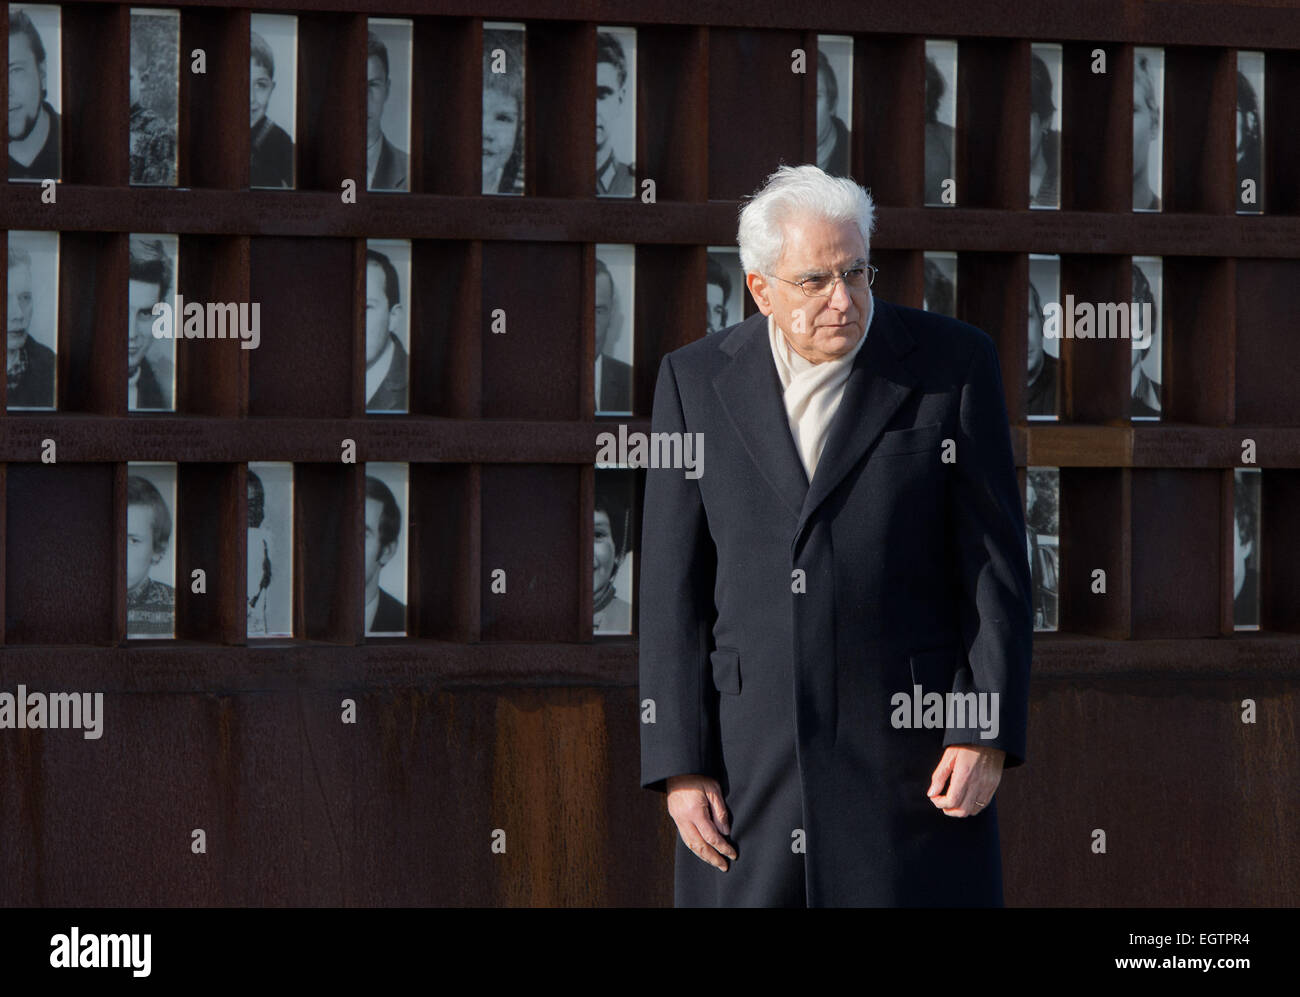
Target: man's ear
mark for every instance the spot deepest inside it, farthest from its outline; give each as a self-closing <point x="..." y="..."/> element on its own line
<point x="158" y="554"/>
<point x="386" y="553"/>
<point x="394" y="317"/>
<point x="760" y="291"/>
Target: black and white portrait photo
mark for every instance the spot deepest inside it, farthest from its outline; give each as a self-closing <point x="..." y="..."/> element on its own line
<point x="724" y="288"/>
<point x="150" y="360"/>
<point x="1042" y="503"/>
<point x="940" y="283"/>
<point x="385" y="550"/>
<point x="272" y="89"/>
<point x="35" y="92"/>
<point x="33" y="290"/>
<point x="155" y="95"/>
<point x="1245" y="548"/>
<point x="616" y="112"/>
<point x="1044" y="126"/>
<point x="270" y="549"/>
<point x="150" y="557"/>
<point x="834" y="102"/>
<point x="388" y="324"/>
<point x="503" y="107"/>
<point x="1146" y="339"/>
<point x="1148" y="130"/>
<point x="1044" y="351"/>
<point x="388" y="103"/>
<point x="611" y="556"/>
<point x="1250" y="133"/>
<point x="940" y="122"/>
<point x="615" y="281"/>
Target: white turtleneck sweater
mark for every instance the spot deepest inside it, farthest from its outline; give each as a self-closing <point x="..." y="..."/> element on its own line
<point x="812" y="392"/>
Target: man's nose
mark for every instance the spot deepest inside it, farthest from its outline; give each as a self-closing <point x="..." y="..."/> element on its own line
<point x="841" y="300"/>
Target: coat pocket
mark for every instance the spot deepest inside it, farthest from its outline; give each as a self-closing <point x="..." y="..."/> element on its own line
<point x="726" y="670"/>
<point x="919" y="439"/>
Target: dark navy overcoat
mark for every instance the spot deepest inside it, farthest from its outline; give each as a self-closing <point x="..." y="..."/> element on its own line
<point x="779" y="620"/>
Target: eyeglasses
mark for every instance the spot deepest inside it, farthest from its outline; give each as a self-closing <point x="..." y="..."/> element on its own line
<point x="819" y="285"/>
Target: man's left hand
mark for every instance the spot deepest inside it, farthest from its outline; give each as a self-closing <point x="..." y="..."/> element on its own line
<point x="972" y="773"/>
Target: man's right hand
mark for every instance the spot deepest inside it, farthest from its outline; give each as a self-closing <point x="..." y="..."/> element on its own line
<point x="696" y="807"/>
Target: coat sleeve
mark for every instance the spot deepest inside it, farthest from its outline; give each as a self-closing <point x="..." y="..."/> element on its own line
<point x="678" y="568"/>
<point x="989" y="525"/>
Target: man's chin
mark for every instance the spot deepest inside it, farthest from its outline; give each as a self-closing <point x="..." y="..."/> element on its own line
<point x="19" y="127"/>
<point x="16" y="339"/>
<point x="841" y="342"/>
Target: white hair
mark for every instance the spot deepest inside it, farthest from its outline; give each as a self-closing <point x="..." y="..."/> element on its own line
<point x="798" y="192"/>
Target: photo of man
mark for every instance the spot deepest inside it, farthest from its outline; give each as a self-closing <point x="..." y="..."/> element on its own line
<point x="1042" y="490"/>
<point x="33" y="292"/>
<point x="149" y="360"/>
<point x="1250" y="133"/>
<point x="386" y="104"/>
<point x="1148" y="95"/>
<point x="613" y="319"/>
<point x="615" y="111"/>
<point x="724" y="288"/>
<point x="34" y="136"/>
<point x="388" y="269"/>
<point x="1148" y="278"/>
<point x="940" y="122"/>
<point x="1043" y="380"/>
<point x="1044" y="141"/>
<point x="385" y="613"/>
<point x="1245" y="548"/>
<point x="834" y="102"/>
<point x="270" y="146"/>
<point x="150" y="572"/>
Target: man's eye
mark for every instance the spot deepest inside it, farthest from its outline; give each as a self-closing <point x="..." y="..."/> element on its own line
<point x="817" y="282"/>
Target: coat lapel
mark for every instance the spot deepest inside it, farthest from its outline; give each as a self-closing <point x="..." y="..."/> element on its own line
<point x="874" y="392"/>
<point x="751" y="396"/>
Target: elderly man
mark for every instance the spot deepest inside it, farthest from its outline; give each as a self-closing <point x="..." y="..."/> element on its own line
<point x="855" y="552"/>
